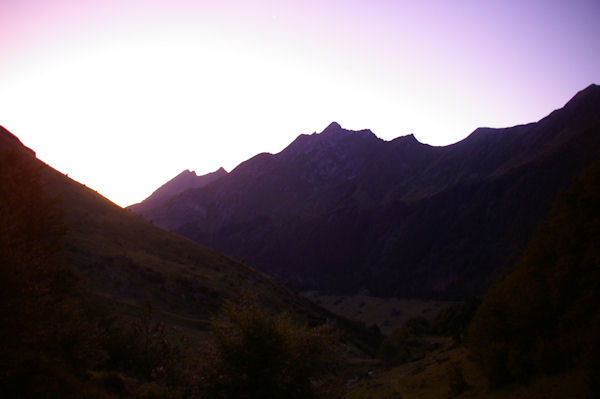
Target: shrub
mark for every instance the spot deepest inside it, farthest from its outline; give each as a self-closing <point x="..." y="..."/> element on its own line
<point x="258" y="355"/>
<point x="152" y="354"/>
<point x="407" y="343"/>
<point x="454" y="320"/>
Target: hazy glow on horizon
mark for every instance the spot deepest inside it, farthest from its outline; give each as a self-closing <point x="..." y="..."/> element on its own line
<point x="123" y="95"/>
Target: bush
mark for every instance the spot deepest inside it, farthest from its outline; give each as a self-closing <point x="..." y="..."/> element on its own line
<point x="258" y="355"/>
<point x="454" y="320"/>
<point x="407" y="343"/>
<point x="457" y="383"/>
<point x="152" y="355"/>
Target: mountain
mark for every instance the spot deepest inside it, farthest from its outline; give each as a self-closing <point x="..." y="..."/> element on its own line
<point x="346" y="211"/>
<point x="183" y="181"/>
<point x="541" y="316"/>
<point x="119" y="257"/>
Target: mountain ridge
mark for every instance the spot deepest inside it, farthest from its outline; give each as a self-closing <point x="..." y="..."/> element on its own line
<point x="183" y="181"/>
<point x="395" y="217"/>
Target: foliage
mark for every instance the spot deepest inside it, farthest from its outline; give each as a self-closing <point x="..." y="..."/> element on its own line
<point x="407" y="343"/>
<point x="541" y="316"/>
<point x="150" y="353"/>
<point x="258" y="355"/>
<point x="457" y="383"/>
<point x="454" y="320"/>
<point x="412" y="340"/>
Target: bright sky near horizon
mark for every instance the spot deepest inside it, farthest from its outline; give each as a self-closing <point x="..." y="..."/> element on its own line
<point x="124" y="94"/>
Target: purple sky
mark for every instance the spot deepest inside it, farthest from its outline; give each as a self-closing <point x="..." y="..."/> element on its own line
<point x="123" y="95"/>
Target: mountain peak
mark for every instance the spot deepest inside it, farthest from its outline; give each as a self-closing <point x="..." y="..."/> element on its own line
<point x="186" y="172"/>
<point x="191" y="174"/>
<point x="592" y="87"/>
<point x="409" y="138"/>
<point x="188" y="179"/>
<point x="333" y="127"/>
<point x="590" y="94"/>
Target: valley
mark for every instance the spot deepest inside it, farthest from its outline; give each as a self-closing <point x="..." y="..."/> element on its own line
<point x="344" y="266"/>
<point x="387" y="314"/>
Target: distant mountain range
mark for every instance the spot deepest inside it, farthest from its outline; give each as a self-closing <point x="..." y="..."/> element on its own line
<point x="346" y="211"/>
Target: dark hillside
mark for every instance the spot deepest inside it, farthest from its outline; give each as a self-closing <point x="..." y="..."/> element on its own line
<point x="541" y="316"/>
<point x="90" y="289"/>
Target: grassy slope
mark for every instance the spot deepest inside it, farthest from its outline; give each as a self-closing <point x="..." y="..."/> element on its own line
<point x="435" y="376"/>
<point x="121" y="257"/>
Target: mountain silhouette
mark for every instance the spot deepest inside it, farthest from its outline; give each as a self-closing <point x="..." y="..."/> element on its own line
<point x="346" y="211"/>
<point x="183" y="181"/>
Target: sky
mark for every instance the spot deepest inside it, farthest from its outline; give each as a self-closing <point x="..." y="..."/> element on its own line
<point x="123" y="95"/>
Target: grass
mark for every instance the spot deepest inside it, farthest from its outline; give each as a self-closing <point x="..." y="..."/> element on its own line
<point x="125" y="259"/>
<point x="448" y="372"/>
<point x="386" y="313"/>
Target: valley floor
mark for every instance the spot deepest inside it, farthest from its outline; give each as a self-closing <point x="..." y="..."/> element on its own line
<point x="386" y="313"/>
